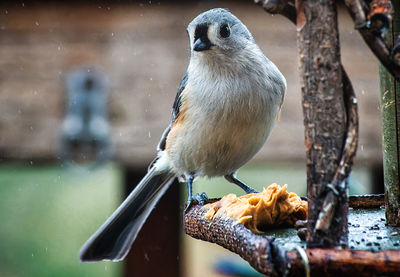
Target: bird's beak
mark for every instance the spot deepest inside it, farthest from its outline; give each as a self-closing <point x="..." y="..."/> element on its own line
<point x="200" y="45"/>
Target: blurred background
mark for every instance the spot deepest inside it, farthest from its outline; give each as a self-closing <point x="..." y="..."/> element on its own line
<point x="86" y="90"/>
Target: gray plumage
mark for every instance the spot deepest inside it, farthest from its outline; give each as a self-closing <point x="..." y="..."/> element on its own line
<point x="224" y="111"/>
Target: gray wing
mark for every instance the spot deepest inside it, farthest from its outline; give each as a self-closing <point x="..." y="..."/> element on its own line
<point x="175" y="112"/>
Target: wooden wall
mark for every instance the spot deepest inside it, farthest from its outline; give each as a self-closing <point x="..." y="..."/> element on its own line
<point x="143" y="48"/>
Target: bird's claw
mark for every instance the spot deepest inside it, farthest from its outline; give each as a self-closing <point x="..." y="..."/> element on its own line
<point x="201" y="199"/>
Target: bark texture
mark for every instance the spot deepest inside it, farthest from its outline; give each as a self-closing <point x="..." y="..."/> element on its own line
<point x="255" y="249"/>
<point x="332" y="262"/>
<point x="324" y="118"/>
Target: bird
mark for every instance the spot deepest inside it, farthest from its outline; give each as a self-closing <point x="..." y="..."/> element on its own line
<point x="227" y="103"/>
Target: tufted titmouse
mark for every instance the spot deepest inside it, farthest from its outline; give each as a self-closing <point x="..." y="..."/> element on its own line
<point x="225" y="108"/>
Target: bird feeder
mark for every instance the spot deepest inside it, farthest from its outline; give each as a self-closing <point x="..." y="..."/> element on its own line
<point x="356" y="241"/>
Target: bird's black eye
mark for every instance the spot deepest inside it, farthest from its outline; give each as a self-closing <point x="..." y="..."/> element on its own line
<point x="225" y="31"/>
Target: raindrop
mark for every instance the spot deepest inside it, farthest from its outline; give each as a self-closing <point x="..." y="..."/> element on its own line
<point x="151" y="78"/>
<point x="149" y="134"/>
<point x="31" y="162"/>
<point x="112" y="34"/>
<point x="6" y="11"/>
<point x="362" y="147"/>
<point x="36" y="23"/>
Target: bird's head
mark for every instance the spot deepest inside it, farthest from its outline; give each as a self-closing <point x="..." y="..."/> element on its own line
<point x="218" y="30"/>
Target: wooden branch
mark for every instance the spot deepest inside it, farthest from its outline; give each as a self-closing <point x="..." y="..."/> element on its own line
<point x="358" y="9"/>
<point x="372" y="38"/>
<point x="334" y="262"/>
<point x="333" y="197"/>
<point x="270" y="258"/>
<point x="255" y="249"/>
<point x="283" y="7"/>
<point x="325" y="119"/>
<point x="351" y="141"/>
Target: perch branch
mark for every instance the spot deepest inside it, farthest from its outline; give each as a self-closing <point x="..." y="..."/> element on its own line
<point x="374" y="40"/>
<point x="272" y="259"/>
<point x="255" y="249"/>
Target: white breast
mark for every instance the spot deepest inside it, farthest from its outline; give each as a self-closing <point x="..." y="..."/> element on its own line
<point x="229" y="112"/>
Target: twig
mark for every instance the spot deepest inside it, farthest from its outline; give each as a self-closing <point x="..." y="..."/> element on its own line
<point x="349" y="150"/>
<point x="373" y="39"/>
<point x="283" y="7"/>
<point x="350" y="147"/>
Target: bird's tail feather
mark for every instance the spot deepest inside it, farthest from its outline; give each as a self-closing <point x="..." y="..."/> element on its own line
<point x="113" y="240"/>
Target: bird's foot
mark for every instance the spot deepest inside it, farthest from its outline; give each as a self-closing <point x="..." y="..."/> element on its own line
<point x="201" y="199"/>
